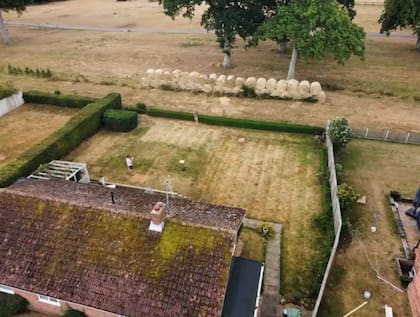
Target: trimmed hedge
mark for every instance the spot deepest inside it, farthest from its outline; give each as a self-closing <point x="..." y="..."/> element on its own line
<point x="6" y="92"/>
<point x="70" y="101"/>
<point x="11" y="305"/>
<point x="120" y="120"/>
<point x="238" y="123"/>
<point x="82" y="125"/>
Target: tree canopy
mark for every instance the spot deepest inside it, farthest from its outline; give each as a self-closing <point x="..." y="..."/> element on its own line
<point x="315" y="28"/>
<point x="227" y="18"/>
<point x="401" y="14"/>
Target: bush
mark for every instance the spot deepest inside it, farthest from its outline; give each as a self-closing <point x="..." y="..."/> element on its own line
<point x="248" y="91"/>
<point x="266" y="230"/>
<point x="339" y="132"/>
<point x="61" y="142"/>
<point x="141" y="107"/>
<point x="120" y="120"/>
<point x="11" y="305"/>
<point x="238" y="123"/>
<point x="6" y="92"/>
<point x="73" y="313"/>
<point x="55" y="99"/>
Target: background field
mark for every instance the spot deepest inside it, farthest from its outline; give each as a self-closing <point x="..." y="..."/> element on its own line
<point x="26" y="126"/>
<point x="94" y="63"/>
<point x="273" y="175"/>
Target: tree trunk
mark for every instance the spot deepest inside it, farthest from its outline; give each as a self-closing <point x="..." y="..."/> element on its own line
<point x="3" y="30"/>
<point x="292" y="65"/>
<point x="282" y="46"/>
<point x="418" y="42"/>
<point x="227" y="52"/>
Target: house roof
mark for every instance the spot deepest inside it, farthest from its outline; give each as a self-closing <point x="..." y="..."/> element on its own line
<point x="104" y="257"/>
<point x="129" y="199"/>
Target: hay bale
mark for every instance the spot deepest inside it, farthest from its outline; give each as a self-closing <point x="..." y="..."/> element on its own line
<point x="230" y="82"/>
<point x="292" y="88"/>
<point x="270" y="86"/>
<point x="212" y="79"/>
<point x="207" y="88"/>
<point x="251" y="82"/>
<point x="321" y="97"/>
<point x="260" y="86"/>
<point x="315" y="88"/>
<point x="239" y="81"/>
<point x="304" y="89"/>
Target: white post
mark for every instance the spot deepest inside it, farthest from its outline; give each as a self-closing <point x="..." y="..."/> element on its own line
<point x="3" y="30"/>
<point x="406" y="139"/>
<point x="386" y="135"/>
<point x="366" y="133"/>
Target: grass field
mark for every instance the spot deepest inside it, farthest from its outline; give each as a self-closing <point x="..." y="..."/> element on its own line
<point x="254" y="245"/>
<point x="94" y="63"/>
<point x="273" y="175"/>
<point x="26" y="126"/>
<point x="373" y="169"/>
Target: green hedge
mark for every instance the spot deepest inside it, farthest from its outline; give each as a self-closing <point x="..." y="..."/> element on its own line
<point x="70" y="101"/>
<point x="120" y="120"/>
<point x="11" y="305"/>
<point x="82" y="125"/>
<point x="73" y="313"/>
<point x="6" y="92"/>
<point x="238" y="123"/>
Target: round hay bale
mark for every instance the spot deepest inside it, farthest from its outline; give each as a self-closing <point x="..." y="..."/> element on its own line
<point x="221" y="80"/>
<point x="321" y="97"/>
<point x="251" y="82"/>
<point x="260" y="86"/>
<point x="239" y="81"/>
<point x="304" y="89"/>
<point x="315" y="88"/>
<point x="230" y="82"/>
<point x="150" y="73"/>
<point x="292" y="88"/>
<point x="207" y="88"/>
<point x="270" y="85"/>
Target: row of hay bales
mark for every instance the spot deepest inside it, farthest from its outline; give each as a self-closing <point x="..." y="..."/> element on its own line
<point x="222" y="84"/>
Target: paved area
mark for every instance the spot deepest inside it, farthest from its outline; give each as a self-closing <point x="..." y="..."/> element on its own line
<point x="271" y="296"/>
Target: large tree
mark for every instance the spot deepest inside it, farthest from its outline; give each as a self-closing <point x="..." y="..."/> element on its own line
<point x="315" y="28"/>
<point x="227" y="18"/>
<point x="6" y="5"/>
<point x="401" y="14"/>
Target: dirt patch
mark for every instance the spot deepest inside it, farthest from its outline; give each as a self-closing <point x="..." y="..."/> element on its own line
<point x="28" y="125"/>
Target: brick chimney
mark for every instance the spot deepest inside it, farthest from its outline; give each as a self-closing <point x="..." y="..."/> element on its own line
<point x="157" y="216"/>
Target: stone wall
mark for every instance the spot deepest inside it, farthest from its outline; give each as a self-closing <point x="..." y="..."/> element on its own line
<point x="231" y="85"/>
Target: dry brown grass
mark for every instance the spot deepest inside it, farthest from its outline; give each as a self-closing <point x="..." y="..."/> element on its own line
<point x="373" y="169"/>
<point x="386" y="82"/>
<point x="27" y="125"/>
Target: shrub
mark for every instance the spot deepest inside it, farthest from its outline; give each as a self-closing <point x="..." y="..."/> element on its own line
<point x="237" y="123"/>
<point x="73" y="313"/>
<point x="61" y="142"/>
<point x="248" y="91"/>
<point x="6" y="92"/>
<point x="141" y="107"/>
<point x="266" y="230"/>
<point x="11" y="305"/>
<point x="55" y="99"/>
<point x="347" y="196"/>
<point x="339" y="132"/>
<point x="120" y="120"/>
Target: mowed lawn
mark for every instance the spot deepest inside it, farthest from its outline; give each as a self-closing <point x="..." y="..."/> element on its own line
<point x="373" y="169"/>
<point x="272" y="175"/>
<point x="28" y="125"/>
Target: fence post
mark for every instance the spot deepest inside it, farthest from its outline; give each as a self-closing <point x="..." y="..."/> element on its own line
<point x="386" y="135"/>
<point x="406" y="139"/>
<point x="366" y="133"/>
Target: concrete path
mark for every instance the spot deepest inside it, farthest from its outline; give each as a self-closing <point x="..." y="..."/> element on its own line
<point x="271" y="296"/>
<point x="150" y="30"/>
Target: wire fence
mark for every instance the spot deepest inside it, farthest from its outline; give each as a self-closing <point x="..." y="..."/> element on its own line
<point x="387" y="135"/>
<point x="337" y="220"/>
